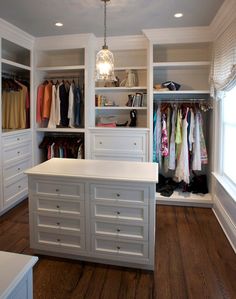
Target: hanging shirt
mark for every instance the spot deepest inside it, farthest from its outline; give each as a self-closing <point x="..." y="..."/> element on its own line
<point x="172" y="141"/>
<point x="196" y="164"/>
<point x="71" y="115"/>
<point x="204" y="156"/>
<point x="47" y="100"/>
<point x="39" y="108"/>
<point x="182" y="169"/>
<point x="52" y="118"/>
<point x="164" y="138"/>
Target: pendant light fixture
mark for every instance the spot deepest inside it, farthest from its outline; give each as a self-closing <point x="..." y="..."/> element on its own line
<point x="104" y="58"/>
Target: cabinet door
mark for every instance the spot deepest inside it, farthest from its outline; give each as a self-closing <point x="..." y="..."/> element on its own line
<point x="60" y="240"/>
<point x="59" y="224"/>
<point x="119" y="212"/>
<point x="117" y="193"/>
<point x="119" y="230"/>
<point x="59" y="206"/>
<point x="60" y="189"/>
<point x="120" y="248"/>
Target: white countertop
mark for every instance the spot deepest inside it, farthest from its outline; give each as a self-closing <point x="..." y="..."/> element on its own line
<point x="13" y="267"/>
<point x="98" y="169"/>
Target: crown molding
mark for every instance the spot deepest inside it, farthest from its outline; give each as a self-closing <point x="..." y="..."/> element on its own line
<point x="69" y="41"/>
<point x="225" y="16"/>
<point x="179" y="35"/>
<point x="16" y="35"/>
<point x="126" y="42"/>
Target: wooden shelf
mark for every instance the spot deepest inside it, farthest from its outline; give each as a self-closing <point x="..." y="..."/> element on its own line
<point x="61" y="68"/>
<point x="14" y="64"/>
<point x="136" y="68"/>
<point x="179" y="198"/>
<point x="64" y="130"/>
<point x="120" y="88"/>
<point x="119" y="108"/>
<point x="182" y="64"/>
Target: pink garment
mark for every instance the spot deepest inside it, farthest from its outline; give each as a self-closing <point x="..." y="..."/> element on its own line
<point x="164" y="138"/>
<point x="39" y="108"/>
<point x="107" y="125"/>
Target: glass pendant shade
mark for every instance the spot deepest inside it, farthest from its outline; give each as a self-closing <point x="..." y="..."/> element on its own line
<point x="105" y="65"/>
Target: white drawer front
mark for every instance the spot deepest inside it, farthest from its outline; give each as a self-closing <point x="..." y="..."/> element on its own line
<point x="16" y="168"/>
<point x="16" y="138"/>
<point x="120" y="193"/>
<point x="120" y="230"/>
<point x="120" y="212"/>
<point x="60" y="223"/>
<point x="60" y="206"/>
<point x="61" y="240"/>
<point x="119" y="142"/>
<point x="117" y="157"/>
<point x="60" y="189"/>
<point x="16" y="152"/>
<point x="106" y="246"/>
<point x="15" y="190"/>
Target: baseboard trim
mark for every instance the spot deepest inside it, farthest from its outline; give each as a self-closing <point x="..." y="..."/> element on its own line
<point x="225" y="221"/>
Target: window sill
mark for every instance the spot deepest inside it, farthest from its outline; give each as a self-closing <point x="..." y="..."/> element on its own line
<point x="226" y="184"/>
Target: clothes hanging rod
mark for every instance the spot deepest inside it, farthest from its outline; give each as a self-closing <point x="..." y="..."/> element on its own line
<point x="176" y="101"/>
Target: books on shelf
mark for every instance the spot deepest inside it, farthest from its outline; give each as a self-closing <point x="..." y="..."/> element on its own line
<point x="137" y="100"/>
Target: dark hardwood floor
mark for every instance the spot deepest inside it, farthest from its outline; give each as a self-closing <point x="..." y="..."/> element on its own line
<point x="193" y="260"/>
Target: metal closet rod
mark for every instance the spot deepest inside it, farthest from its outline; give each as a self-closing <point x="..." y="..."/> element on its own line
<point x="176" y="101"/>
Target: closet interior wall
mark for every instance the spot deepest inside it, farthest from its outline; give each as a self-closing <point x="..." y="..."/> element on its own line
<point x="15" y="111"/>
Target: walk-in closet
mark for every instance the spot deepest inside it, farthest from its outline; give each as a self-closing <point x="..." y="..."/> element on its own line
<point x="117" y="149"/>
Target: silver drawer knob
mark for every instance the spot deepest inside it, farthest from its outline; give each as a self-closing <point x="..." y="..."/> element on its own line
<point x="58" y="206"/>
<point x="18" y="168"/>
<point x="118" y="230"/>
<point x="57" y="190"/>
<point x="118" y="195"/>
<point x="118" y="213"/>
<point x="118" y="247"/>
<point x="18" y="139"/>
<point x="18" y="153"/>
<point x="135" y="143"/>
<point x="19" y="186"/>
<point x="58" y="223"/>
<point x="58" y="240"/>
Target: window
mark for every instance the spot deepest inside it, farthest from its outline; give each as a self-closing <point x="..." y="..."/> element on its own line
<point x="229" y="136"/>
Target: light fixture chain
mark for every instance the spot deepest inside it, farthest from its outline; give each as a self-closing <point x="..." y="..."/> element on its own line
<point x="105" y="23"/>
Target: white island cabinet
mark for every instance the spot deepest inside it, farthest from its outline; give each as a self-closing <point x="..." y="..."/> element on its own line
<point x="16" y="275"/>
<point x="94" y="210"/>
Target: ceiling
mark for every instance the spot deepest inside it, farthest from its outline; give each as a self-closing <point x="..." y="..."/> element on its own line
<point x="124" y="17"/>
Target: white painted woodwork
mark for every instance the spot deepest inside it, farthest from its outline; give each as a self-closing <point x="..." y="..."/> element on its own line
<point x="94" y="210"/>
<point x="16" y="275"/>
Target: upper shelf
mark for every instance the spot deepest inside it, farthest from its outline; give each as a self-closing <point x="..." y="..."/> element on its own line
<point x="183" y="64"/>
<point x="15" y="64"/>
<point x="61" y="68"/>
<point x="120" y="88"/>
<point x="124" y="68"/>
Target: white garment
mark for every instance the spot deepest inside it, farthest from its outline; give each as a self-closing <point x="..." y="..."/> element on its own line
<point x="172" y="141"/>
<point x="191" y="131"/>
<point x="158" y="135"/>
<point x="182" y="169"/>
<point x="52" y="118"/>
<point x="70" y="114"/>
<point x="197" y="165"/>
<point x="58" y="103"/>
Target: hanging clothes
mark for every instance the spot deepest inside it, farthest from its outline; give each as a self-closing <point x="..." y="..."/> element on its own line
<point x="182" y="169"/>
<point x="52" y="118"/>
<point x="196" y="164"/>
<point x="172" y="141"/>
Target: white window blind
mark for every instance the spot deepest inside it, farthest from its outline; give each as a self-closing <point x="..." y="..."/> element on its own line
<point x="223" y="73"/>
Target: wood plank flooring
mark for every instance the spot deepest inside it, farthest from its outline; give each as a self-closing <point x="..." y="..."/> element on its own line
<point x="193" y="260"/>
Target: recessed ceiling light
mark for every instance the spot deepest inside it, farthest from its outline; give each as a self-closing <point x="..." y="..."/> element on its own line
<point x="58" y="24"/>
<point x="178" y="15"/>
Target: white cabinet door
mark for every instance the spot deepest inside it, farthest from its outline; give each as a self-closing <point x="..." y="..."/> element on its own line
<point x="119" y="193"/>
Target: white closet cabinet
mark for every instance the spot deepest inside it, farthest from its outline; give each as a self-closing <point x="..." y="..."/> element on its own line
<point x="114" y="103"/>
<point x="184" y="59"/>
<point x="62" y="59"/>
<point x="16" y="140"/>
<point x="100" y="211"/>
